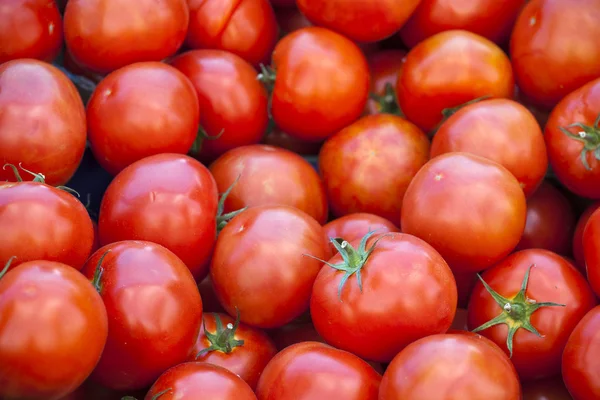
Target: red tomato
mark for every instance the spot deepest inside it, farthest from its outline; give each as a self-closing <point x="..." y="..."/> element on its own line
<point x="355" y="226"/>
<point x="368" y="166"/>
<point x="385" y="66"/>
<point x="546" y="389"/>
<point x="169" y="199"/>
<point x="104" y="35"/>
<point x="53" y="327"/>
<point x="541" y="297"/>
<point x="544" y="70"/>
<point x="312" y="370"/>
<point x="30" y="29"/>
<point x="480" y="210"/>
<point x="450" y="366"/>
<point x="154" y="312"/>
<point x="232" y="100"/>
<point x="258" y="265"/>
<point x="501" y="130"/>
<point x="247" y="28"/>
<point x="578" y="236"/>
<point x="270" y="176"/>
<point x="450" y="69"/>
<point x="591" y="250"/>
<point x="42" y="121"/>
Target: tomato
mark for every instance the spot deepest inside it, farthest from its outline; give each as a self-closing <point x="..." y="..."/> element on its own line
<point x="169" y="199"/>
<point x="544" y="71"/>
<point x="385" y="66"/>
<point x="312" y="370"/>
<point x="546" y="389"/>
<point x="30" y="29"/>
<point x="100" y="34"/>
<point x="368" y="166"/>
<point x="233" y="103"/>
<point x="199" y="381"/>
<point x="591" y="250"/>
<point x="270" y="176"/>
<point x="531" y="302"/>
<point x="450" y="366"/>
<point x="260" y="251"/>
<point x="53" y="327"/>
<point x="578" y="235"/>
<point x="354" y="226"/>
<point x="362" y="21"/>
<point x="501" y="130"/>
<point x="321" y="86"/>
<point x="450" y="69"/>
<point x="247" y="28"/>
<point x="480" y="210"/>
<point x="42" y="121"/>
<point x="281" y="139"/>
<point x="573" y="140"/>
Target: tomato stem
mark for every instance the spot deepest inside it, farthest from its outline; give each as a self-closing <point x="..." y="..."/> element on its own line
<point x="7" y="266"/>
<point x="201" y="137"/>
<point x="223" y="219"/>
<point x="267" y="77"/>
<point x="223" y="339"/>
<point x="388" y="102"/>
<point x="589" y="136"/>
<point x="159" y="394"/>
<point x="450" y="111"/>
<point x="97" y="279"/>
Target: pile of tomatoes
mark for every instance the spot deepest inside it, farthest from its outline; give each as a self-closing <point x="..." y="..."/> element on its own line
<point x="307" y="199"/>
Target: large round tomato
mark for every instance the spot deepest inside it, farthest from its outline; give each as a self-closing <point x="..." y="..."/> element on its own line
<point x="541" y="298"/>
<point x="470" y="209"/>
<point x="154" y="312"/>
<point x="355" y="226"/>
<point x="385" y="66"/>
<point x="53" y="328"/>
<point x="104" y="35"/>
<point x="578" y="235"/>
<point x="450" y="69"/>
<point x="42" y="121"/>
<point x="546" y="389"/>
<point x="591" y="250"/>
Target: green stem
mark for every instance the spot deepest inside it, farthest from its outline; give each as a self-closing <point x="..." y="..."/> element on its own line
<point x="98" y="272"/>
<point x="589" y="136"/>
<point x="223" y="339"/>
<point x="6" y="266"/>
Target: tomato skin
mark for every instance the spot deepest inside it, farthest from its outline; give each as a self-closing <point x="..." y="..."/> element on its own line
<point x="449" y="69"/>
<point x="100" y="36"/>
<point x="181" y="197"/>
<point x="354" y="226"/>
<point x="467" y="229"/>
<point x="591" y="250"/>
<point x="578" y="236"/>
<point x="53" y="328"/>
<point x="546" y="389"/>
<point x="385" y="66"/>
<point x="42" y="121"/>
<point x="312" y="370"/>
<point x="450" y="366"/>
<point x="322" y="77"/>
<point x="233" y="102"/>
<point x="30" y="29"/>
<point x="501" y="130"/>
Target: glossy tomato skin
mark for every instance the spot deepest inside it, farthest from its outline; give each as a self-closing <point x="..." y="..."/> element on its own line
<point x="233" y="102"/>
<point x="368" y="166"/>
<point x="100" y="34"/>
<point x="544" y="71"/>
<point x="385" y="66"/>
<point x="322" y="83"/>
<point x="354" y="226"/>
<point x="154" y="311"/>
<point x="450" y="69"/>
<point x="552" y="279"/>
<point x="30" y="29"/>
<point x="578" y="235"/>
<point x="260" y="251"/>
<point x="53" y="328"/>
<point x="312" y="370"/>
<point x="469" y="229"/>
<point x="501" y="130"/>
<point x="169" y="199"/>
<point x="546" y="389"/>
<point x="247" y="28"/>
<point x="591" y="250"/>
<point x="270" y="176"/>
<point x="42" y="121"/>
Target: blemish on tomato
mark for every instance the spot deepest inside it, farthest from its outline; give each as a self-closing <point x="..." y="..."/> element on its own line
<point x="438" y="177"/>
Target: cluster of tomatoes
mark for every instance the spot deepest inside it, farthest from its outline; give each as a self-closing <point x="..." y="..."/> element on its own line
<point x="446" y="246"/>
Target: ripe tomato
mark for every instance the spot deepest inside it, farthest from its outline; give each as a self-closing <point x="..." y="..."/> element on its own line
<point x="270" y="176"/>
<point x="546" y="389"/>
<point x="233" y="103"/>
<point x="100" y="34"/>
<point x="30" y="29"/>
<point x="501" y="130"/>
<point x="53" y="327"/>
<point x="154" y="312"/>
<point x="312" y="370"/>
<point x="260" y="251"/>
<point x="450" y="366"/>
<point x="578" y="235"/>
<point x="119" y="137"/>
<point x="450" y="69"/>
<point x="367" y="166"/>
<point x="591" y="250"/>
<point x="169" y="199"/>
<point x="540" y="292"/>
<point x="544" y="71"/>
<point x="42" y="121"/>
<point x="480" y="210"/>
<point x="247" y="28"/>
<point x="322" y="83"/>
<point x="390" y="271"/>
<point x="355" y="226"/>
<point x="385" y="66"/>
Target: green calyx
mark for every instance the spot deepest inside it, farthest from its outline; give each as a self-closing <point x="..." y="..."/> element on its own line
<point x="589" y="136"/>
<point x="37" y="177"/>
<point x="223" y="219"/>
<point x="97" y="279"/>
<point x="201" y="137"/>
<point x="267" y="77"/>
<point x="7" y="266"/>
<point x="516" y="312"/>
<point x="223" y="339"/>
<point x="388" y="102"/>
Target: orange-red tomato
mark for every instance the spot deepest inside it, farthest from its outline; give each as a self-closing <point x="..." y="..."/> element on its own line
<point x="578" y="235"/>
<point x="385" y="66"/>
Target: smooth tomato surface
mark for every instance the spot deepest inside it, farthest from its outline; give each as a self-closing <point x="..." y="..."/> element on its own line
<point x="578" y="235"/>
<point x="591" y="250"/>
<point x="385" y="66"/>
